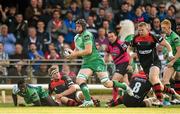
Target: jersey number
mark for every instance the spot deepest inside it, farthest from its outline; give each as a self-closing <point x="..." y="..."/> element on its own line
<point x="136" y="87"/>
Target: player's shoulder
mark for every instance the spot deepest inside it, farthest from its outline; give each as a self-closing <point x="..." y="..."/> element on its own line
<point x="15" y="89"/>
<point x="67" y="79"/>
<point x="175" y="36"/>
<point x="76" y="36"/>
<point x="87" y="34"/>
<point x="156" y="37"/>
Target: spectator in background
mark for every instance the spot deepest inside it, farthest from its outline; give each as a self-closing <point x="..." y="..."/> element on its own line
<point x="17" y="70"/>
<point x="9" y="18"/>
<point x="153" y="14"/>
<point x="67" y="72"/>
<point x="33" y="12"/>
<point x="32" y="38"/>
<point x="122" y="14"/>
<point x="109" y="16"/>
<point x="101" y="41"/>
<point x="8" y="40"/>
<point x="51" y="46"/>
<point x="105" y="25"/>
<point x="20" y="28"/>
<point x="42" y="75"/>
<point x="173" y="9"/>
<point x="44" y="36"/>
<point x="3" y="13"/>
<point x="3" y="62"/>
<point x="147" y="9"/>
<point x="176" y="3"/>
<point x="138" y="16"/>
<point x="18" y="53"/>
<point x="91" y="26"/>
<point x="74" y="8"/>
<point x="156" y="25"/>
<point x="53" y="55"/>
<point x="86" y="9"/>
<point x="100" y="17"/>
<point x="171" y="18"/>
<point x="70" y="25"/>
<point x="105" y="4"/>
<point x="59" y="46"/>
<point x="35" y="54"/>
<point x="56" y="26"/>
<point x="162" y="12"/>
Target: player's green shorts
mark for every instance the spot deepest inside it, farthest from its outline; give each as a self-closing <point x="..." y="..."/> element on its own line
<point x="96" y="66"/>
<point x="176" y="66"/>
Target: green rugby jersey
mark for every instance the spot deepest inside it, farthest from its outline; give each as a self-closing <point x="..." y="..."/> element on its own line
<point x="81" y="40"/>
<point x="31" y="93"/>
<point x="174" y="41"/>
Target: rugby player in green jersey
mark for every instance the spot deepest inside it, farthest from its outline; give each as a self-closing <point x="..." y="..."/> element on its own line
<point x="173" y="65"/>
<point x="32" y="95"/>
<point x="92" y="63"/>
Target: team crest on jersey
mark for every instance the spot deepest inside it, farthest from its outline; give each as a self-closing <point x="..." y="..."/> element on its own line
<point x="87" y="37"/>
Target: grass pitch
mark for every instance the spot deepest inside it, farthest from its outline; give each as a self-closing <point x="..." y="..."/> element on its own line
<point x="9" y="109"/>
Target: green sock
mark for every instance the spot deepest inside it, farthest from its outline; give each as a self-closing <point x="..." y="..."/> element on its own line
<point x="85" y="91"/>
<point x="121" y="93"/>
<point x="119" y="85"/>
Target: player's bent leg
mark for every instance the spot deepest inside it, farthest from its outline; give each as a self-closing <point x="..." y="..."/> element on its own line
<point x="83" y="75"/>
<point x="177" y="83"/>
<point x="113" y="103"/>
<point x="125" y="79"/>
<point x="103" y="76"/>
<point x="48" y="101"/>
<point x="117" y="77"/>
<point x="154" y="79"/>
<point x="68" y="102"/>
<point x="81" y="81"/>
<point x="168" y="73"/>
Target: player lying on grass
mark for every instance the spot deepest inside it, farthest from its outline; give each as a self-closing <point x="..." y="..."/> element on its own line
<point x="65" y="90"/>
<point x="140" y="86"/>
<point x="32" y="95"/>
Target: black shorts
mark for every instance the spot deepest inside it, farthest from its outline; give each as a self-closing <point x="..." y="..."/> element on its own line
<point x="122" y="68"/>
<point x="130" y="101"/>
<point x="146" y="68"/>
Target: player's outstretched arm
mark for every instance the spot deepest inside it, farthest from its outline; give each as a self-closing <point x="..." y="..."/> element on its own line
<point x="15" y="99"/>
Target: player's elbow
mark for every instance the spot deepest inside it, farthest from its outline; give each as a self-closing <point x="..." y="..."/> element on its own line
<point x="73" y="88"/>
<point x="88" y="51"/>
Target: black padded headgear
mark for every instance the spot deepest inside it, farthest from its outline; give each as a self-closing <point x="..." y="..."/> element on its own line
<point x="82" y="22"/>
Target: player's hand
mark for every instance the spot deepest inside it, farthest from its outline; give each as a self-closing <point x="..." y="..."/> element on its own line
<point x="58" y="96"/>
<point x="71" y="54"/>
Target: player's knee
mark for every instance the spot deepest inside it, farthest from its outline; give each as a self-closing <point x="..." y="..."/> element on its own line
<point x="105" y="81"/>
<point x="81" y="78"/>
